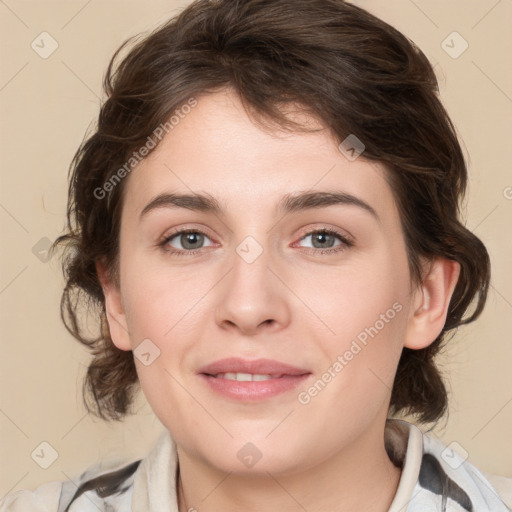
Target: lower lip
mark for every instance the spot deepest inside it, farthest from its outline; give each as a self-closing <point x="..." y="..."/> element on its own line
<point x="254" y="390"/>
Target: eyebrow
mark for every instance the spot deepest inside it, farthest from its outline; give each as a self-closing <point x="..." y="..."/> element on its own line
<point x="289" y="203"/>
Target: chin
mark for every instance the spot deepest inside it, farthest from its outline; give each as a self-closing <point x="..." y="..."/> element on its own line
<point x="245" y="457"/>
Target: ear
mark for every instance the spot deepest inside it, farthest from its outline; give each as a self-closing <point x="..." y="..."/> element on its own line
<point x="116" y="316"/>
<point x="430" y="304"/>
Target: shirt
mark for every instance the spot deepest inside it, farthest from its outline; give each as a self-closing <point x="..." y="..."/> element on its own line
<point x="434" y="478"/>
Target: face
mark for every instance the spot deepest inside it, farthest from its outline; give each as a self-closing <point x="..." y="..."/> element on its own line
<point x="312" y="295"/>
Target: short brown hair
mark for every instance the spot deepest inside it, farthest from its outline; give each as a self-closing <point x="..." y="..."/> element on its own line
<point x="355" y="73"/>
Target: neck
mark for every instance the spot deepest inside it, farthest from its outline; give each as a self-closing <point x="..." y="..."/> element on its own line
<point x="359" y="477"/>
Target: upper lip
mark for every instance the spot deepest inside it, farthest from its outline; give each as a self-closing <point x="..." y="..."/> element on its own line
<point x="257" y="366"/>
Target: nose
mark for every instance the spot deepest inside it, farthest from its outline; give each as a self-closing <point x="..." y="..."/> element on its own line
<point x="252" y="297"/>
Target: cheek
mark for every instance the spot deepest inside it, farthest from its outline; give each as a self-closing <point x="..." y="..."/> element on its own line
<point x="165" y="310"/>
<point x="166" y="317"/>
<point x="160" y="300"/>
<point x="358" y="301"/>
<point x="365" y="309"/>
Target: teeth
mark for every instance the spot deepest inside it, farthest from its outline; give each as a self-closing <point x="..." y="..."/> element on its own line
<point x="245" y="377"/>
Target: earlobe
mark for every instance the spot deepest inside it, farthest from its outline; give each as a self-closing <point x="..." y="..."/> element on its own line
<point x="432" y="299"/>
<point x="116" y="317"/>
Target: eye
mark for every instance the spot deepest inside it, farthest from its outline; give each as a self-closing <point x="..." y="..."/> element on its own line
<point x="185" y="242"/>
<point x="188" y="242"/>
<point x="324" y="240"/>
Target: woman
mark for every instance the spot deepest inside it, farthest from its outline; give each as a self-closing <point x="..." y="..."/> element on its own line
<point x="267" y="218"/>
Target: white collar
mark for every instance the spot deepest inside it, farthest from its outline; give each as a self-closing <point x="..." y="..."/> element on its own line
<point x="154" y="487"/>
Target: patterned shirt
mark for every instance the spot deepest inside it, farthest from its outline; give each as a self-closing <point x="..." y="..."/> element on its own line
<point x="434" y="478"/>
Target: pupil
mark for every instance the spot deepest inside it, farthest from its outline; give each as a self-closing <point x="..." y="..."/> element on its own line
<point x="191" y="239"/>
<point x="323" y="236"/>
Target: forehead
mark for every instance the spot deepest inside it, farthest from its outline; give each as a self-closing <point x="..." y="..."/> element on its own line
<point x="217" y="149"/>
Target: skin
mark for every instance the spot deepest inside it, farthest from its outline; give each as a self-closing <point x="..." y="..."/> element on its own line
<point x="293" y="304"/>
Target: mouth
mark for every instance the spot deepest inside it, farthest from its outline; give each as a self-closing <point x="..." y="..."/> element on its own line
<point x="251" y="381"/>
<point x="245" y="377"/>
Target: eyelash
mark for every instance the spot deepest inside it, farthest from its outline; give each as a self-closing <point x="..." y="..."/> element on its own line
<point x="346" y="243"/>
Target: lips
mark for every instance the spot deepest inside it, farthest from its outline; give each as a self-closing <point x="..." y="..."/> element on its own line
<point x="251" y="381"/>
<point x="235" y="365"/>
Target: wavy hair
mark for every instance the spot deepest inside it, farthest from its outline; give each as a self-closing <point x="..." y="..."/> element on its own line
<point x="351" y="70"/>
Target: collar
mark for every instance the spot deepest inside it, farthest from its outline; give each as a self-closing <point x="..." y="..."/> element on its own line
<point x="154" y="486"/>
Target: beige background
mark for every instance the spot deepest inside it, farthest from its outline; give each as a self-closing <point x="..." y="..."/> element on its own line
<point x="46" y="107"/>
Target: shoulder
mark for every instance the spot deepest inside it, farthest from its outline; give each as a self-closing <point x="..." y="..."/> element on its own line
<point x="94" y="490"/>
<point x="503" y="486"/>
<point x="44" y="499"/>
<point x="448" y="474"/>
<point x="440" y="477"/>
